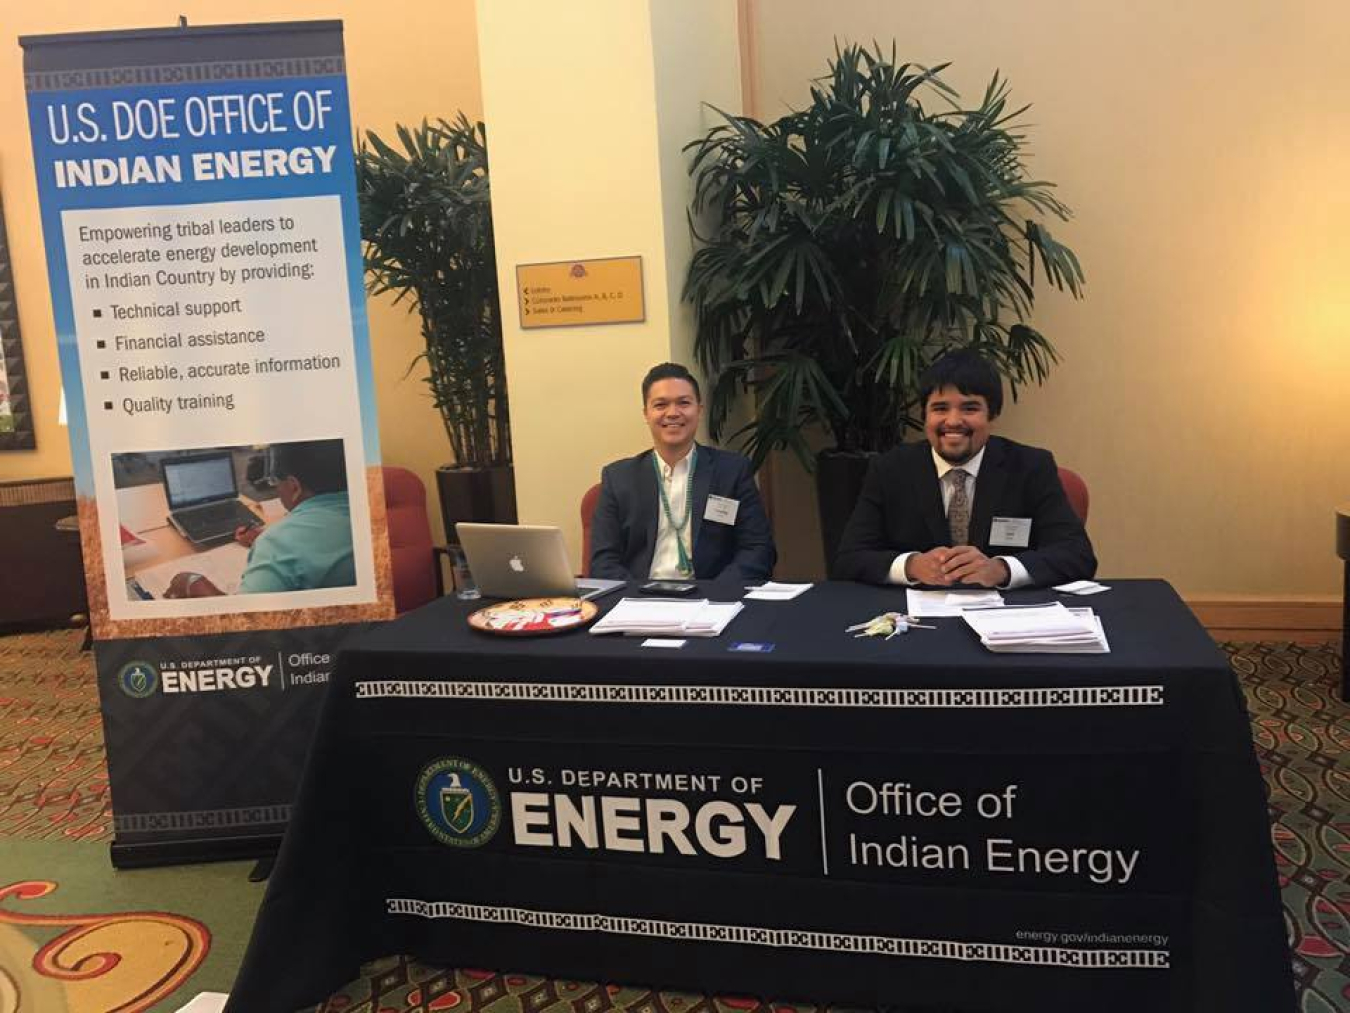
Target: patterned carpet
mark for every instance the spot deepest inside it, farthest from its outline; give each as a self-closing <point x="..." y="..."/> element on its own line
<point x="53" y="789"/>
<point x="1302" y="734"/>
<point x="53" y="778"/>
<point x="399" y="985"/>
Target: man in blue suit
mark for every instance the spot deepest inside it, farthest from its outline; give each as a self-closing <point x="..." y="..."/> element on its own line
<point x="679" y="510"/>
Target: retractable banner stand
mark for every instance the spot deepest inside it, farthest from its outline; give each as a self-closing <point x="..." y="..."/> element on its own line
<point x="203" y="245"/>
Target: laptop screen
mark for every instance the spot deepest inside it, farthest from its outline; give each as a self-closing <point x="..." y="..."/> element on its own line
<point x="189" y="481"/>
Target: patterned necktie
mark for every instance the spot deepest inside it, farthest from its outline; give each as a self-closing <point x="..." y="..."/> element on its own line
<point x="958" y="510"/>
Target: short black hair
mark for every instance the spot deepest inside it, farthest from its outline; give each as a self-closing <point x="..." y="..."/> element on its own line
<point x="668" y="371"/>
<point x="319" y="465"/>
<point x="970" y="373"/>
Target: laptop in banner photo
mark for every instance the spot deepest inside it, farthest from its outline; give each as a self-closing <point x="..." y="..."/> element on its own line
<point x="203" y="497"/>
<point x="524" y="561"/>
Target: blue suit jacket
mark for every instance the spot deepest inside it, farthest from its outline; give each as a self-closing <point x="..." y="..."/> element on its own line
<point x="623" y="530"/>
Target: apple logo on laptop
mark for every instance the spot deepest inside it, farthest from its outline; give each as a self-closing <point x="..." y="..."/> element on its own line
<point x="516" y="564"/>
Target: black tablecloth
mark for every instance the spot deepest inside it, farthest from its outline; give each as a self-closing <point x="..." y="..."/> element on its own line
<point x="905" y="823"/>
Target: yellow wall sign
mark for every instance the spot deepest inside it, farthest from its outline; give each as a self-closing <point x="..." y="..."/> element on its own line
<point x="572" y="292"/>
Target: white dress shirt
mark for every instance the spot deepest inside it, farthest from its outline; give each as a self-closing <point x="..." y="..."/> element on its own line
<point x="665" y="556"/>
<point x="1018" y="576"/>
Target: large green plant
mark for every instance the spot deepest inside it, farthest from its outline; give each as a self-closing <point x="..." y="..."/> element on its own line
<point x="426" y="220"/>
<point x="848" y="245"/>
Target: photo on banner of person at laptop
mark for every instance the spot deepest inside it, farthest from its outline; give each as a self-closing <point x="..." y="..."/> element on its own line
<point x="213" y="521"/>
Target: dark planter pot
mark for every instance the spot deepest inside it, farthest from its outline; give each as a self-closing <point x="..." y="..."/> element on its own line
<point x="839" y="479"/>
<point x="486" y="495"/>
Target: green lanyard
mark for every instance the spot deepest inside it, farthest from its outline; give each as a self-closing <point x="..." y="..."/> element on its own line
<point x="686" y="566"/>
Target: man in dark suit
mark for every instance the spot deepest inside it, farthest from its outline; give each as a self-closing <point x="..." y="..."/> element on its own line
<point x="965" y="507"/>
<point x="681" y="509"/>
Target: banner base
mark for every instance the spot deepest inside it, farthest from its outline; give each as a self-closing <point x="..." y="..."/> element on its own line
<point x="144" y="855"/>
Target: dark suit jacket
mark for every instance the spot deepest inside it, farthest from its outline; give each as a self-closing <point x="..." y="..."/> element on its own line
<point x="900" y="510"/>
<point x="623" y="530"/>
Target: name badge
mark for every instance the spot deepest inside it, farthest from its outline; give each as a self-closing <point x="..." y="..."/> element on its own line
<point x="722" y="510"/>
<point x="1015" y="531"/>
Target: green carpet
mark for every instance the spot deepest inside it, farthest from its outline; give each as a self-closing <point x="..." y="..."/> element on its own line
<point x="174" y="932"/>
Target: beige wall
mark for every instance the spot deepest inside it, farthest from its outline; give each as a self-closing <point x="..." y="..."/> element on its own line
<point x="697" y="65"/>
<point x="587" y="105"/>
<point x="1204" y="146"/>
<point x="404" y="62"/>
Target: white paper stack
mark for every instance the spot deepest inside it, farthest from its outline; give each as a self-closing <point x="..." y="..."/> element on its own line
<point x="668" y="617"/>
<point x="1039" y="629"/>
<point x="772" y="590"/>
<point x="936" y="604"/>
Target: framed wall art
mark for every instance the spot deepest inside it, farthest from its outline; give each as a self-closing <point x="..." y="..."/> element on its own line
<point x="16" y="410"/>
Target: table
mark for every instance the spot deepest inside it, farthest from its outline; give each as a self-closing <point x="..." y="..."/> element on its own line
<point x="862" y="822"/>
<point x="144" y="511"/>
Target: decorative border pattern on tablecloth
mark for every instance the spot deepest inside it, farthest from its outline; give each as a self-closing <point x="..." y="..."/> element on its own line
<point x="804" y="939"/>
<point x="765" y="696"/>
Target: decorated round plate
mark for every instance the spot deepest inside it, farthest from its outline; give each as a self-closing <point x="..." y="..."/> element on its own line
<point x="532" y="617"/>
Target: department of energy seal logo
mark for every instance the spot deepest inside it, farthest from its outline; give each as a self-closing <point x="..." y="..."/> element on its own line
<point x="458" y="803"/>
<point x="139" y="679"/>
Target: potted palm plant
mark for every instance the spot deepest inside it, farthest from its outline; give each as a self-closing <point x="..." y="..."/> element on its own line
<point x="845" y="246"/>
<point x="426" y="224"/>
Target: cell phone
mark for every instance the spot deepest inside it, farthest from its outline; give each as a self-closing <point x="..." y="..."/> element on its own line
<point x="669" y="589"/>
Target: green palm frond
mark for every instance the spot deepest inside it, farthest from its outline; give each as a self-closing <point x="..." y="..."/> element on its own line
<point x="426" y="228"/>
<point x="843" y="247"/>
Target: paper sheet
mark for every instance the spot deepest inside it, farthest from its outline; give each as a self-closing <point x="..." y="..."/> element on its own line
<point x="936" y="604"/>
<point x="1024" y="622"/>
<point x="1082" y="587"/>
<point x="222" y="566"/>
<point x="773" y="591"/>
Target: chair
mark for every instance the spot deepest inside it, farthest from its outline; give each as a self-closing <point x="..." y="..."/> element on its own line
<point x="1077" y="491"/>
<point x="588" y="503"/>
<point x="414" y="559"/>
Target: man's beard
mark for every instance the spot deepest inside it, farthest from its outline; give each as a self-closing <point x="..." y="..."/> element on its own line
<point x="955" y="458"/>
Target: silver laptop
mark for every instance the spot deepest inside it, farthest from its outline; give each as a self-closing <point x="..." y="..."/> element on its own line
<point x="524" y="561"/>
<point x="203" y="497"/>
